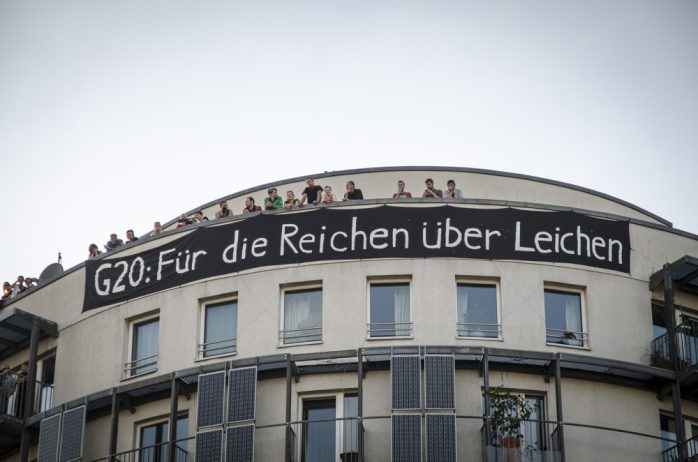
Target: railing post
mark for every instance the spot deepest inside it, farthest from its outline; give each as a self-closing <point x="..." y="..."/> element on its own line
<point x="172" y="430"/>
<point x="486" y="380"/>
<point x="289" y="377"/>
<point x="360" y="404"/>
<point x="558" y="409"/>
<point x="114" y="431"/>
<point x="28" y="385"/>
<point x="673" y="347"/>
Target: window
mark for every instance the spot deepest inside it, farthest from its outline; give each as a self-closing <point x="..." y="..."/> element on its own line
<point x="389" y="310"/>
<point x="563" y="318"/>
<point x="144" y="347"/>
<point x="330" y="428"/>
<point x="477" y="311"/>
<point x="220" y="326"/>
<point x="302" y="316"/>
<point x="152" y="438"/>
<point x="533" y="430"/>
<point x="668" y="432"/>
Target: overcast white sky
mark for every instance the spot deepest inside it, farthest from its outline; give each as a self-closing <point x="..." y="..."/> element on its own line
<point x="116" y="113"/>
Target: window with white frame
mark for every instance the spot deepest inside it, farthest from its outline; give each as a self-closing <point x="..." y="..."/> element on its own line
<point x="330" y="429"/>
<point x="153" y="439"/>
<point x="389" y="309"/>
<point x="143" y="351"/>
<point x="302" y="315"/>
<point x="478" y="312"/>
<point x="564" y="317"/>
<point x="535" y="436"/>
<point x="219" y="328"/>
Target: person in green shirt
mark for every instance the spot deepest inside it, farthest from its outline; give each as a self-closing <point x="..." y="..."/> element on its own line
<point x="273" y="201"/>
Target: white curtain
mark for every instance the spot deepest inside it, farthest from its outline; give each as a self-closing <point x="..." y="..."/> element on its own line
<point x="402" y="310"/>
<point x="296" y="311"/>
<point x="573" y="320"/>
<point x="463" y="312"/>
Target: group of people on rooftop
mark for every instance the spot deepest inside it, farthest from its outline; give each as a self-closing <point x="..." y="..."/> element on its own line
<point x="19" y="286"/>
<point x="311" y="195"/>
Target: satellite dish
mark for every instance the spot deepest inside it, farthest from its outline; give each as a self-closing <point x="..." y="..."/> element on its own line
<point x="51" y="271"/>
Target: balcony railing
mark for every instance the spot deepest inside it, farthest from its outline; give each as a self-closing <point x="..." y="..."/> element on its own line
<point x="141" y="366"/>
<point x="479" y="330"/>
<point x="686" y="347"/>
<point x="310" y="334"/>
<point x="13" y="395"/>
<point x="389" y="329"/>
<point x="537" y="443"/>
<point x="221" y="347"/>
<point x="155" y="453"/>
<point x="566" y="337"/>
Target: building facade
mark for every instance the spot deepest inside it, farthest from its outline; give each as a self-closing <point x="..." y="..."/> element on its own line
<point x="377" y="329"/>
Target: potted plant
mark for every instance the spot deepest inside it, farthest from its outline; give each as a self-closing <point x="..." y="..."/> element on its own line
<point x="508" y="412"/>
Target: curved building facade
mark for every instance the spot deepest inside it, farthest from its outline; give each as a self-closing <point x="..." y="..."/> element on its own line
<point x="368" y="330"/>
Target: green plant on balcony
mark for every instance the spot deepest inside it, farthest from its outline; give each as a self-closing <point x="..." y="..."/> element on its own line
<point x="509" y="411"/>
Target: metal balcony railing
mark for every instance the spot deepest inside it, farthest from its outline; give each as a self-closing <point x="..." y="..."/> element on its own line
<point x="141" y="366"/>
<point x="13" y="395"/>
<point x="310" y="334"/>
<point x="537" y="442"/>
<point x="220" y="347"/>
<point x="567" y="337"/>
<point x="686" y="347"/>
<point x="389" y="329"/>
<point x="478" y="330"/>
<point x="155" y="453"/>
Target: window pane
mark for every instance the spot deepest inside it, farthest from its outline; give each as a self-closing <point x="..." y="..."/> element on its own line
<point x="668" y="430"/>
<point x="145" y="346"/>
<point x="319" y="439"/>
<point x="220" y="330"/>
<point x="302" y="316"/>
<point x="390" y="310"/>
<point x="563" y="317"/>
<point x="658" y="321"/>
<point x="351" y="427"/>
<point x="477" y="311"/>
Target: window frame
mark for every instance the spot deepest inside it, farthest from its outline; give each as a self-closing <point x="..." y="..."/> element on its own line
<point x="473" y="281"/>
<point x="128" y="368"/>
<point x="204" y="304"/>
<point x="339" y="398"/>
<point x="389" y="281"/>
<point x="139" y="426"/>
<point x="542" y="433"/>
<point x="298" y="288"/>
<point x="573" y="290"/>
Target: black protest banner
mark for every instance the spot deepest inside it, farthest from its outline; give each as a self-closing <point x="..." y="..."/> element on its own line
<point x="382" y="232"/>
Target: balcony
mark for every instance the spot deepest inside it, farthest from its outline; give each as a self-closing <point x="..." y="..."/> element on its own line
<point x="14" y="389"/>
<point x="183" y="452"/>
<point x="537" y="443"/>
<point x="686" y="347"/>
